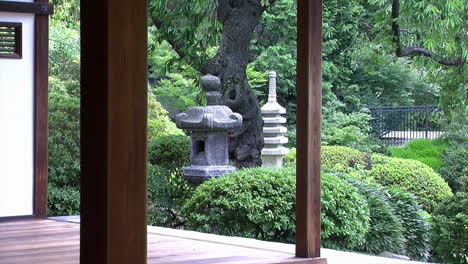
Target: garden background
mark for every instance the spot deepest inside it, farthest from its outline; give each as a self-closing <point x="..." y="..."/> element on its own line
<point x="408" y="200"/>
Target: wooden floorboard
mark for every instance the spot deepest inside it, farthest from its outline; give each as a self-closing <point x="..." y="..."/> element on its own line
<point x="54" y="242"/>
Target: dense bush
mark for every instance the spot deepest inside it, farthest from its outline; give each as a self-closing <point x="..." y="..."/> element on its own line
<point x="334" y="158"/>
<point x="63" y="200"/>
<point x="415" y="226"/>
<point x="64" y="140"/>
<point x="169" y="151"/>
<point x="259" y="203"/>
<point x="411" y="176"/>
<point x="386" y="228"/>
<point x="167" y="191"/>
<point x="449" y="236"/>
<point x="455" y="166"/>
<point x="426" y="151"/>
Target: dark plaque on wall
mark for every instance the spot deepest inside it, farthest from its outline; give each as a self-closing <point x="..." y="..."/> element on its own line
<point x="10" y="40"/>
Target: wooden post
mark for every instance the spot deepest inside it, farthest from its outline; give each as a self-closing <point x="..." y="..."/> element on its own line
<point x="41" y="72"/>
<point x="309" y="113"/>
<point x="113" y="131"/>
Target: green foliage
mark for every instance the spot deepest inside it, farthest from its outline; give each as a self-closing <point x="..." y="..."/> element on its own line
<point x="415" y="225"/>
<point x="342" y="159"/>
<point x="255" y="203"/>
<point x="169" y="151"/>
<point x="411" y="176"/>
<point x="158" y="122"/>
<point x="345" y="214"/>
<point x="334" y="158"/>
<point x="382" y="79"/>
<point x="191" y="25"/>
<point x="63" y="200"/>
<point x="167" y="191"/>
<point x="450" y="230"/>
<point x="64" y="137"/>
<point x="67" y="12"/>
<point x="386" y="228"/>
<point x="426" y="151"/>
<point x="176" y="93"/>
<point x="259" y="203"/>
<point x="434" y="25"/>
<point x="350" y="130"/>
<point x="64" y="52"/>
<point x="455" y="166"/>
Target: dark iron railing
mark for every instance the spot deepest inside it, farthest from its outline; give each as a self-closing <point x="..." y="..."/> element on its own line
<point x="395" y="125"/>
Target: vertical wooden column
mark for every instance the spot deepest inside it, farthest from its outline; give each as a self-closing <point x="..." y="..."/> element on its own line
<point x="113" y="131"/>
<point x="309" y="113"/>
<point x="41" y="72"/>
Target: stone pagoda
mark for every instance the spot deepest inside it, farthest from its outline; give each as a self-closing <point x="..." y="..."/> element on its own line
<point x="273" y="129"/>
<point x="208" y="127"/>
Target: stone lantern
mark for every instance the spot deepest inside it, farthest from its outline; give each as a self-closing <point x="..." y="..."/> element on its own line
<point x="208" y="127"/>
<point x="273" y="131"/>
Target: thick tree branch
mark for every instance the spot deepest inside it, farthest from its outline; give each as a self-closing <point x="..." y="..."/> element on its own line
<point x="402" y="51"/>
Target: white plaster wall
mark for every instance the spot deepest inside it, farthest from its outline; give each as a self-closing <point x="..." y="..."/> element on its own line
<point x="16" y="124"/>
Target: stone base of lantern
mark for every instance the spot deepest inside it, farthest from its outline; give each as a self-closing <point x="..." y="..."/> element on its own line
<point x="198" y="174"/>
<point x="272" y="161"/>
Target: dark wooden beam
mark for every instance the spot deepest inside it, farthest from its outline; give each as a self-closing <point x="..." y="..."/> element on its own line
<point x="38" y="7"/>
<point x="41" y="89"/>
<point x="309" y="113"/>
<point x="113" y="131"/>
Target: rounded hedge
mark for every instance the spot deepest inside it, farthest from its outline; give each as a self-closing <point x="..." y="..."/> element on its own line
<point x="260" y="203"/>
<point x="334" y="158"/>
<point x="449" y="236"/>
<point x="342" y="159"/>
<point x="411" y="176"/>
<point x="169" y="151"/>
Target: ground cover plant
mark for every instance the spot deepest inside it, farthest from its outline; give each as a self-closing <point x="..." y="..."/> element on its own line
<point x="426" y="151"/>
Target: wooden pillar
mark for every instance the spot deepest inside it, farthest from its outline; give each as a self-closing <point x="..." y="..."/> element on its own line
<point x="309" y="113"/>
<point x="41" y="72"/>
<point x="113" y="131"/>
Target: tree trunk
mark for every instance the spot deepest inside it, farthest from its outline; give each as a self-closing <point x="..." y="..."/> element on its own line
<point x="239" y="19"/>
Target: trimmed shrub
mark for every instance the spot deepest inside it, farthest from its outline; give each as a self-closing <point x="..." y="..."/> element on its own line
<point x="449" y="236"/>
<point x="426" y="151"/>
<point x="455" y="166"/>
<point x="170" y="151"/>
<point x="342" y="159"/>
<point x="260" y="203"/>
<point x="415" y="226"/>
<point x="63" y="201"/>
<point x="411" y="176"/>
<point x="386" y="228"/>
<point x="334" y="158"/>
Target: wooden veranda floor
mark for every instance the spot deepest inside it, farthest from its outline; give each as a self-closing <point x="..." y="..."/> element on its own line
<point x="50" y="242"/>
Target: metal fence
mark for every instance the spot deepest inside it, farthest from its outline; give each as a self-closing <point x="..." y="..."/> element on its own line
<point x="395" y="125"/>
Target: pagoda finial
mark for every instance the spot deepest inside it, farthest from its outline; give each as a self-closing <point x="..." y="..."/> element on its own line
<point x="272" y="87"/>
